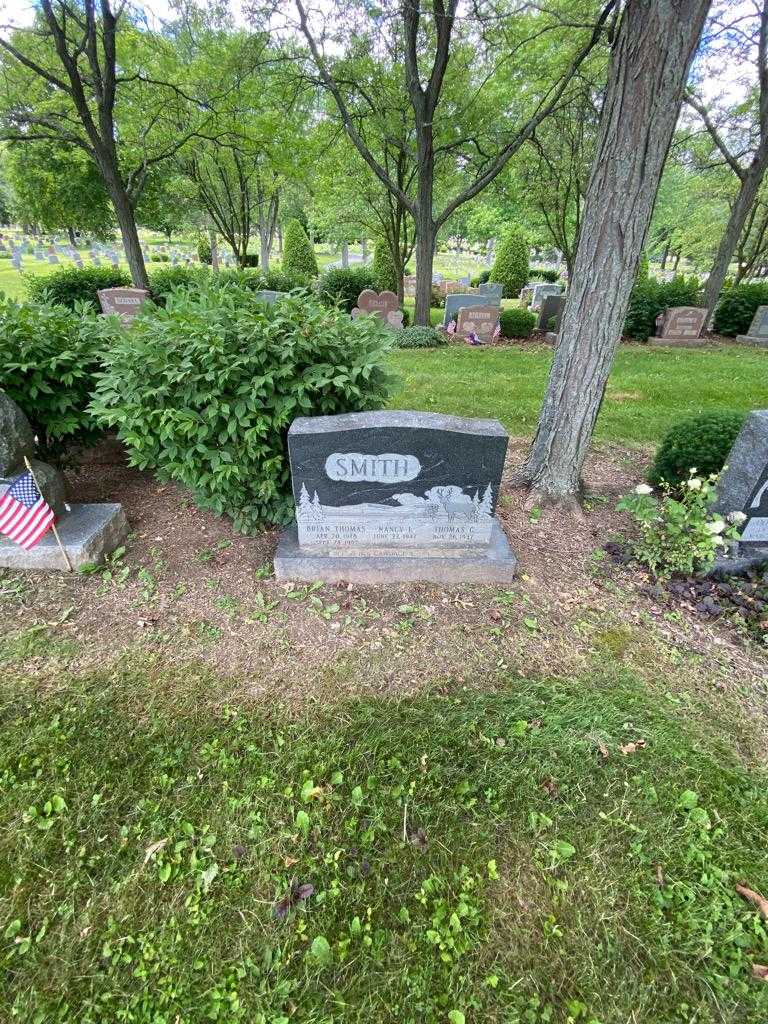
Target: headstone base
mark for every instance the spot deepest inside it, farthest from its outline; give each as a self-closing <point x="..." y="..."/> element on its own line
<point x="495" y="563"/>
<point x="741" y="560"/>
<point x="88" y="532"/>
<point x="551" y="338"/>
<point x="679" y="342"/>
<point x="749" y="339"/>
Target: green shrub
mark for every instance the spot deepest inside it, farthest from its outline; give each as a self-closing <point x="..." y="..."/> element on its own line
<point x="69" y="286"/>
<point x="650" y="297"/>
<point x="643" y="267"/>
<point x="339" y="287"/>
<point x="49" y="355"/>
<point x="420" y="337"/>
<point x="384" y="274"/>
<point x="737" y="307"/>
<point x="299" y="261"/>
<point x="204" y="391"/>
<point x="163" y="281"/>
<point x="544" y="274"/>
<point x="204" y="253"/>
<point x="250" y="261"/>
<point x="160" y="257"/>
<point x="700" y="442"/>
<point x="279" y="280"/>
<point x="517" y="323"/>
<point x="510" y="267"/>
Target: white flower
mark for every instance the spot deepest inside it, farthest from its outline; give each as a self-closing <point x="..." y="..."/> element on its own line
<point x="715" y="527"/>
<point x="695" y="483"/>
<point x="643" y="489"/>
<point x="737" y="518"/>
<point x="692" y="470"/>
<point x="718" y="541"/>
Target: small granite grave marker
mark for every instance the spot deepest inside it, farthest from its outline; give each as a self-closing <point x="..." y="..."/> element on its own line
<point x="479" y="320"/>
<point x="493" y="289"/>
<point x="383" y="304"/>
<point x="390" y="496"/>
<point x="453" y="303"/>
<point x="758" y="329"/>
<point x="541" y="291"/>
<point x="681" y="327"/>
<point x="743" y="487"/>
<point x="551" y="307"/>
<point x="126" y="302"/>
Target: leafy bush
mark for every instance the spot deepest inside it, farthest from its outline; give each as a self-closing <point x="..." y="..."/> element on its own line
<point x="384" y="274"/>
<point x="643" y="267"/>
<point x="737" y="307"/>
<point x="299" y="261"/>
<point x="678" y="533"/>
<point x="700" y="442"/>
<point x="160" y="257"/>
<point x="204" y="391"/>
<point x="204" y="253"/>
<point x="517" y="323"/>
<point x="49" y="355"/>
<point x="69" y="286"/>
<point x="250" y="261"/>
<point x="163" y="281"/>
<point x="481" y="278"/>
<point x="544" y="274"/>
<point x="342" y="287"/>
<point x="510" y="267"/>
<point x="420" y="337"/>
<point x="651" y="297"/>
<point x="279" y="280"/>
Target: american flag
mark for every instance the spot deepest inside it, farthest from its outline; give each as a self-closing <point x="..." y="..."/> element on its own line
<point x="25" y="516"/>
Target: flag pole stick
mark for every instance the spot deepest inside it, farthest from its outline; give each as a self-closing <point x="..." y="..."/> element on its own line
<point x="53" y="525"/>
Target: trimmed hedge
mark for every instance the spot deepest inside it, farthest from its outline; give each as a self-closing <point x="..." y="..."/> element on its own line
<point x="737" y="306"/>
<point x="517" y="323"/>
<point x="69" y="286"/>
<point x="510" y="267"/>
<point x="651" y="297"/>
<point x="383" y="268"/>
<point x="204" y="390"/>
<point x="49" y="356"/>
<point x="420" y="337"/>
<point x="700" y="442"/>
<point x="340" y="287"/>
<point x="299" y="261"/>
<point x="544" y="274"/>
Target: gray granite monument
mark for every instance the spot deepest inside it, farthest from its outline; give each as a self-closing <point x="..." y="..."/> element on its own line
<point x="758" y="329"/>
<point x="126" y="302"/>
<point x="541" y="291"/>
<point x="493" y="289"/>
<point x="743" y="487"/>
<point x="551" y="309"/>
<point x="394" y="496"/>
<point x="88" y="532"/>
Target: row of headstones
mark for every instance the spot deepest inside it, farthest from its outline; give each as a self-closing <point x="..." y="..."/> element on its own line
<point x="127" y="302"/>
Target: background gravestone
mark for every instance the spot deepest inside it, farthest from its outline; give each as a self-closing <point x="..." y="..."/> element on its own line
<point x="126" y="302"/>
<point x="493" y="289"/>
<point x="388" y="496"/>
<point x="551" y="306"/>
<point x="453" y="303"/>
<point x="758" y="329"/>
<point x="681" y="327"/>
<point x="480" y="320"/>
<point x="88" y="532"/>
<point x="541" y="291"/>
<point x="743" y="487"/>
<point x="383" y="304"/>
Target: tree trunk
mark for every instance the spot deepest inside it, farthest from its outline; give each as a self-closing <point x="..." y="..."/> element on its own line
<point x="664" y="256"/>
<point x="280" y="239"/>
<point x="425" y="230"/>
<point x="750" y="185"/>
<point x="72" y="239"/>
<point x="345" y="255"/>
<point x="676" y="264"/>
<point x="649" y="66"/>
<point x="364" y="245"/>
<point x="264" y="247"/>
<point x="127" y="223"/>
<point x="214" y="249"/>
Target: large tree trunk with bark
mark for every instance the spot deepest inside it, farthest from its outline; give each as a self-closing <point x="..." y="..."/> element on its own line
<point x="649" y="66"/>
<point x="345" y="255"/>
<point x="127" y="223"/>
<point x="750" y="186"/>
<point x="425" y="230"/>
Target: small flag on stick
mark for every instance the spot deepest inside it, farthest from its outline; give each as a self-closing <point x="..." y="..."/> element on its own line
<point x="25" y="515"/>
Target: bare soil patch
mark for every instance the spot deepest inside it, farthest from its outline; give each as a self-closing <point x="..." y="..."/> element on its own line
<point x="189" y="589"/>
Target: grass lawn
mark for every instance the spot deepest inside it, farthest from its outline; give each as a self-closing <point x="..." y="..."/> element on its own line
<point x="458" y="856"/>
<point x="649" y="389"/>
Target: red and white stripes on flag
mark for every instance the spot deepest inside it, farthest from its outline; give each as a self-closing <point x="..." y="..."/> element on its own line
<point x="25" y="516"/>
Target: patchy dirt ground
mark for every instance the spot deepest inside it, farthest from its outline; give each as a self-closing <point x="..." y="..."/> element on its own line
<point x="189" y="589"/>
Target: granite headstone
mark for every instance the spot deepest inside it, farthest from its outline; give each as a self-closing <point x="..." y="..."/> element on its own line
<point x="541" y="291"/>
<point x="681" y="327"/>
<point x="479" y="320"/>
<point x="390" y="496"/>
<point x="551" y="308"/>
<point x="453" y="303"/>
<point x="493" y="289"/>
<point x="126" y="302"/>
<point x="758" y="329"/>
<point x="743" y="486"/>
<point x="382" y="304"/>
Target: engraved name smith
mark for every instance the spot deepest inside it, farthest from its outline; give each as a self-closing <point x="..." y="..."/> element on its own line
<point x="388" y="468"/>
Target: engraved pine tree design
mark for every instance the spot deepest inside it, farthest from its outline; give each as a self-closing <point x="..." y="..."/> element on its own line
<point x="304" y="509"/>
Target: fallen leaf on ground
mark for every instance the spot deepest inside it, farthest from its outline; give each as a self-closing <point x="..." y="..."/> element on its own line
<point x="754" y="897"/>
<point x="633" y="747"/>
<point x="495" y="615"/>
<point x="295" y="895"/>
<point x="603" y="750"/>
<point x="760" y="971"/>
<point x="660" y="876"/>
<point x="154" y="848"/>
<point x="550" y="787"/>
<point x="419" y="839"/>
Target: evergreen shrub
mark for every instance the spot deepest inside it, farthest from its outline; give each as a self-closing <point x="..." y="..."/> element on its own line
<point x="700" y="442"/>
<point x="510" y="267"/>
<point x="737" y="307"/>
<point x="517" y="322"/>
<point x="299" y="261"/>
